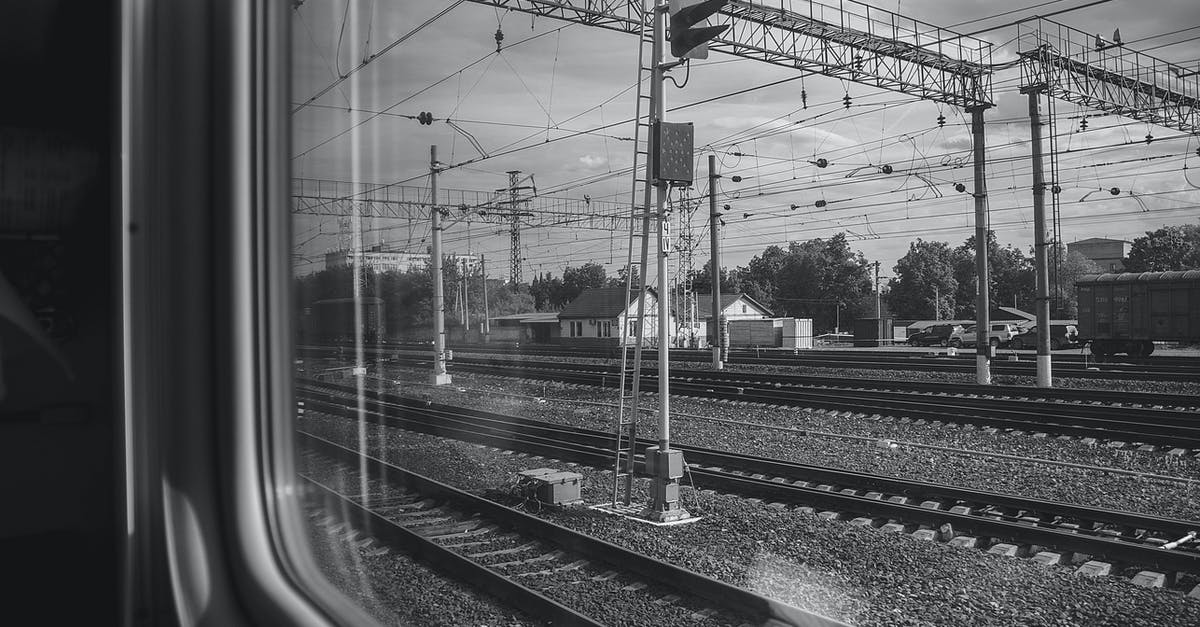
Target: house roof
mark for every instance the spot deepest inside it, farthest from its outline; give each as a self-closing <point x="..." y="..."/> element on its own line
<point x="599" y="302"/>
<point x="1098" y="240"/>
<point x="704" y="304"/>
<point x="529" y="318"/>
<point x="1016" y="314"/>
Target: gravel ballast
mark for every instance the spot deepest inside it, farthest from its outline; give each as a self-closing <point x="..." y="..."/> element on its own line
<point x="862" y="576"/>
<point x="1175" y="498"/>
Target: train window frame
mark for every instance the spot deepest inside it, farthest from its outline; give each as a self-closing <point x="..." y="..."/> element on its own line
<point x="212" y="517"/>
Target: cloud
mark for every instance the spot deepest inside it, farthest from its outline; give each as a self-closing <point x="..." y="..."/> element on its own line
<point x="593" y="161"/>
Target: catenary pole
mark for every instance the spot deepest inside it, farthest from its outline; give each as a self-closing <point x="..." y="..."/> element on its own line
<point x="714" y="221"/>
<point x="1044" y="375"/>
<point x="440" y="376"/>
<point x="983" y="370"/>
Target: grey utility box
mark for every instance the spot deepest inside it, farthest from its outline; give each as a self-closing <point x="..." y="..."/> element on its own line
<point x="552" y="486"/>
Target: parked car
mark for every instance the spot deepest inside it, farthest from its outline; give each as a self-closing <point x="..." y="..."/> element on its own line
<point x="936" y="335"/>
<point x="1061" y="336"/>
<point x="1000" y="334"/>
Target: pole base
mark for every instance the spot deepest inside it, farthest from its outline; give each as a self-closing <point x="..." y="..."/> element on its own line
<point x="983" y="370"/>
<point x="1044" y="377"/>
<point x="441" y="379"/>
<point x="665" y="468"/>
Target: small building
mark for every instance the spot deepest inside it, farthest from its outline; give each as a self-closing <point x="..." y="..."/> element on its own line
<point x="1107" y="253"/>
<point x="733" y="307"/>
<point x="536" y="328"/>
<point x="596" y="317"/>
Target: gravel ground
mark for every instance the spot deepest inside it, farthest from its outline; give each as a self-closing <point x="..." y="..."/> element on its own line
<point x="586" y="589"/>
<point x="864" y="577"/>
<point x="1170" y="498"/>
<point x="402" y="591"/>
<point x="1166" y="387"/>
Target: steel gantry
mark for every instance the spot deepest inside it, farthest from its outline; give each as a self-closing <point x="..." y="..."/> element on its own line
<point x="846" y="40"/>
<point x="1061" y="62"/>
<point x="409" y="202"/>
<point x="838" y="38"/>
<point x="1084" y="69"/>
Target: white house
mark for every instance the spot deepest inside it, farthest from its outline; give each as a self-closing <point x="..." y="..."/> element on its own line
<point x="597" y="316"/>
<point x="733" y="307"/>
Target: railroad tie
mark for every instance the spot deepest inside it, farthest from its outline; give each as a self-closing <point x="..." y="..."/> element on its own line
<point x="546" y="557"/>
<point x="517" y="549"/>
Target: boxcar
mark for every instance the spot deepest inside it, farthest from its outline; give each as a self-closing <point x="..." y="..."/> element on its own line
<point x="1128" y="312"/>
<point x="332" y="320"/>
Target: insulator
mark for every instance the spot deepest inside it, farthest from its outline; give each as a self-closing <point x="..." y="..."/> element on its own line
<point x="846" y="100"/>
<point x="1083" y="124"/>
<point x="959" y="187"/>
<point x="795" y="207"/>
<point x="1149" y="138"/>
<point x="886" y="169"/>
<point x="820" y="203"/>
<point x="726" y="207"/>
<point x="746" y="215"/>
<point x="1055" y="189"/>
<point x="941" y="120"/>
<point x="499" y="38"/>
<point x="1115" y="191"/>
<point x="822" y="163"/>
<point x="804" y="98"/>
<point x="736" y="179"/>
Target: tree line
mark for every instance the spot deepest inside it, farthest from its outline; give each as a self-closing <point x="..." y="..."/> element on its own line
<point x="822" y="279"/>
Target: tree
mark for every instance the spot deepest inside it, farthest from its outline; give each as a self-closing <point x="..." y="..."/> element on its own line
<point x="923" y="274"/>
<point x="547" y="292"/>
<point x="1168" y="248"/>
<point x="1072" y="266"/>
<point x="758" y="278"/>
<point x="619" y="280"/>
<point x="504" y="299"/>
<point x="702" y="280"/>
<point x="822" y="279"/>
<point x="1010" y="274"/>
<point x="576" y="280"/>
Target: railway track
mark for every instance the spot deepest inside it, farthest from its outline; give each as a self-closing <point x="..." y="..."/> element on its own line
<point x="546" y="570"/>
<point x="1123" y="537"/>
<point x="1163" y="420"/>
<point x="1168" y="368"/>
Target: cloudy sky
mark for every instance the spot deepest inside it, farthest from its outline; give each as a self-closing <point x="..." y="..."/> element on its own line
<point x="527" y="106"/>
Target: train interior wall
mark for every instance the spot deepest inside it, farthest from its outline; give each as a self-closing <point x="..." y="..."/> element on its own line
<point x="58" y="416"/>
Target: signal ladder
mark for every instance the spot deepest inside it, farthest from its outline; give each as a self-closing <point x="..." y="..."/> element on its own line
<point x="631" y="370"/>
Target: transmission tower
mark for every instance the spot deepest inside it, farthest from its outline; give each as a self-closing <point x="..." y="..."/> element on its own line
<point x="687" y="267"/>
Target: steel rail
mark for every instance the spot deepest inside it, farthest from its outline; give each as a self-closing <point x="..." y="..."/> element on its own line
<point x="729" y="596"/>
<point x="1176" y="369"/>
<point x="762" y="477"/>
<point x="1146" y="399"/>
<point x="1169" y="428"/>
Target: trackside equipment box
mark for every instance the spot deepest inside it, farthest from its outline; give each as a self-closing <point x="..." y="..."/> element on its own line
<point x="552" y="486"/>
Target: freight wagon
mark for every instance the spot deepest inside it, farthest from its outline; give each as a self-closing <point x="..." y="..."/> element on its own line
<point x="332" y="320"/>
<point x="1128" y="312"/>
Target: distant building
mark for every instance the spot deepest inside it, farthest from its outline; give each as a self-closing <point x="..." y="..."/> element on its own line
<point x="1109" y="254"/>
<point x="733" y="307"/>
<point x="596" y="317"/>
<point x="383" y="261"/>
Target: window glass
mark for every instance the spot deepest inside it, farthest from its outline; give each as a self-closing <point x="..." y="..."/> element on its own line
<point x="468" y="189"/>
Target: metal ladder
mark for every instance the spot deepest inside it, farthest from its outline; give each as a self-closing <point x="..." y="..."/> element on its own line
<point x="640" y="198"/>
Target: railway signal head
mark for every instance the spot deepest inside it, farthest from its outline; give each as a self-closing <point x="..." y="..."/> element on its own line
<point x="688" y="42"/>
